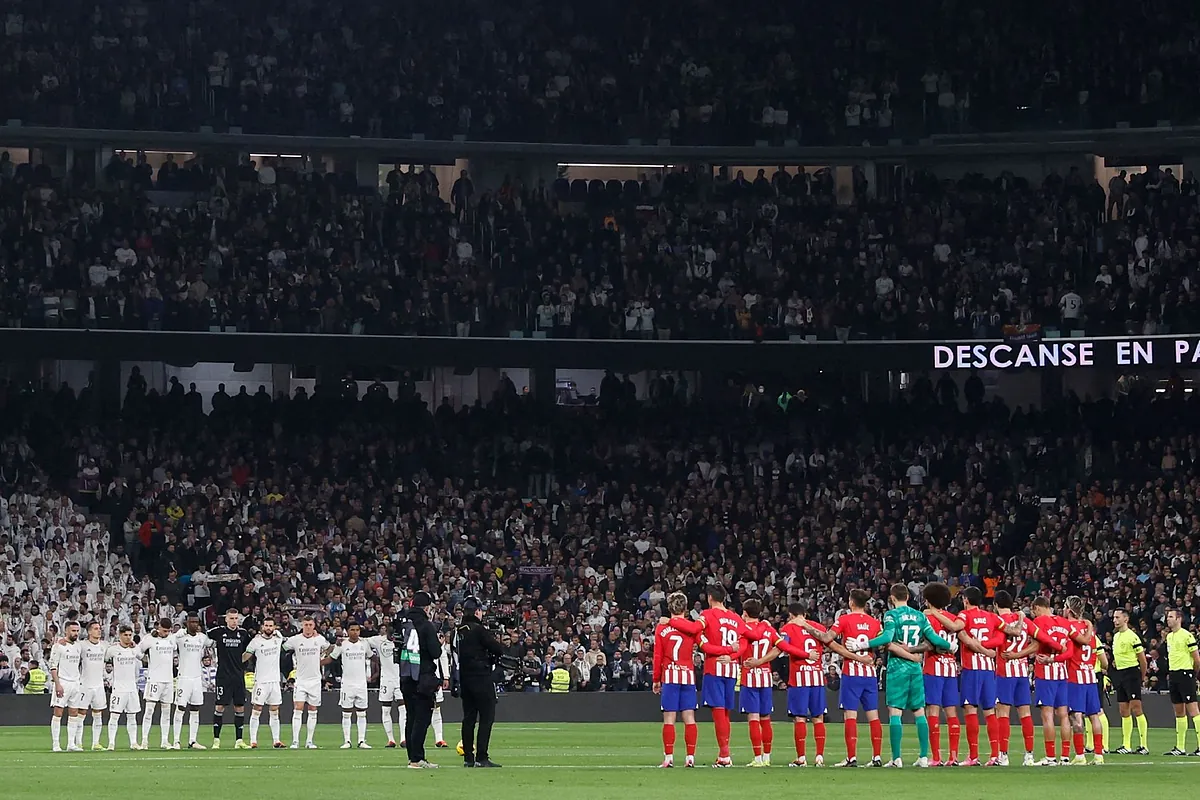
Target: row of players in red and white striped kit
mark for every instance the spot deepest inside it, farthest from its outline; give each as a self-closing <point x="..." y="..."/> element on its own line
<point x="990" y="676"/>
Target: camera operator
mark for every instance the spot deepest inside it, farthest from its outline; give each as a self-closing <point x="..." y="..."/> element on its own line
<point x="477" y="651"/>
<point x="418" y="651"/>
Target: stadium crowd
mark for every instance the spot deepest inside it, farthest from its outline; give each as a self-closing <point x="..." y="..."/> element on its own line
<point x="674" y="256"/>
<point x="574" y="525"/>
<point x="530" y="70"/>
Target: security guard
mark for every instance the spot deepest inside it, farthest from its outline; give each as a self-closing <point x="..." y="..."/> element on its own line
<point x="476" y="651"/>
<point x="35" y="679"/>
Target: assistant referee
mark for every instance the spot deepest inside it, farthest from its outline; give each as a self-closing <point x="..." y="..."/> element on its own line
<point x="1183" y="662"/>
<point x="1128" y="677"/>
<point x="230" y="641"/>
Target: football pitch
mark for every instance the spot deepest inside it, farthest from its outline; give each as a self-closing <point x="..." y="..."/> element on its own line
<point x="617" y="759"/>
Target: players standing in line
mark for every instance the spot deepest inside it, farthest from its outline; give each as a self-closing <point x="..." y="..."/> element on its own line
<point x="125" y="662"/>
<point x="980" y="633"/>
<point x="906" y="627"/>
<point x="806" y="679"/>
<point x="91" y="683"/>
<point x="160" y="681"/>
<point x="265" y="649"/>
<point x="674" y="677"/>
<point x="312" y="652"/>
<point x="230" y="641"/>
<point x="1012" y="675"/>
<point x="941" y="678"/>
<point x="355" y="654"/>
<point x="189" y="693"/>
<point x="389" y="682"/>
<point x="1050" y="680"/>
<point x="439" y="738"/>
<point x="65" y="658"/>
<point x="1129" y="676"/>
<point x="1083" y="700"/>
<point x="860" y="681"/>
<point x="722" y="628"/>
<point x="1183" y="662"/>
<point x="757" y="680"/>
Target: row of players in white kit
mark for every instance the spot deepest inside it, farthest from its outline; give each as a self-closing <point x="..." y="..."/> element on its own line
<point x="78" y="667"/>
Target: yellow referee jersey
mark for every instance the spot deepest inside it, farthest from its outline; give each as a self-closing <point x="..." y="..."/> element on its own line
<point x="1181" y="644"/>
<point x="1126" y="647"/>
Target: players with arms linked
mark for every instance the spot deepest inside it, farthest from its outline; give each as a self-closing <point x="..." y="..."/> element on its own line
<point x="1050" y="687"/>
<point x="674" y="676"/>
<point x="230" y="641"/>
<point x="757" y="680"/>
<point x="1023" y="639"/>
<point x="1083" y="696"/>
<point x="941" y="678"/>
<point x="722" y="629"/>
<point x="904" y="627"/>
<point x="806" y="679"/>
<point x="860" y="680"/>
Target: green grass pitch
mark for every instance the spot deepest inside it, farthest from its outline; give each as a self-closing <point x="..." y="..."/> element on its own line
<point x="617" y="759"/>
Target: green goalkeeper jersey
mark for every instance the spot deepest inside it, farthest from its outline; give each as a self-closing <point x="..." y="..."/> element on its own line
<point x="906" y="626"/>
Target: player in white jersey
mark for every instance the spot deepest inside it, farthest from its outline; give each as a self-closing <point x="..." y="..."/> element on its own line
<point x="189" y="690"/>
<point x="439" y="739"/>
<point x="65" y="658"/>
<point x="91" y="681"/>
<point x="265" y="649"/>
<point x="355" y="654"/>
<point x="160" y="681"/>
<point x="311" y="651"/>
<point x="389" y="682"/>
<point x="125" y="662"/>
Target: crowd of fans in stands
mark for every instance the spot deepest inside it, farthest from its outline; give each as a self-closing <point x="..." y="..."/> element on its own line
<point x="576" y="524"/>
<point x="680" y="255"/>
<point x="704" y="72"/>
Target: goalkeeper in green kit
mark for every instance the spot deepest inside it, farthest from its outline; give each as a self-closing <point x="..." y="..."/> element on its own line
<point x="905" y="630"/>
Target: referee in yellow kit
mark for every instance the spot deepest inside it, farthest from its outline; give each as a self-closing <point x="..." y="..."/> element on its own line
<point x="1128" y="678"/>
<point x="1183" y="662"/>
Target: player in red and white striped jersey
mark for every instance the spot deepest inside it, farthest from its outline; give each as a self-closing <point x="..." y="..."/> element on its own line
<point x="980" y="632"/>
<point x="756" y="702"/>
<point x="860" y="681"/>
<point x="806" y="679"/>
<point x="675" y="676"/>
<point x="1050" y="678"/>
<point x="722" y="629"/>
<point x="1082" y="693"/>
<point x="1012" y="675"/>
<point x="941" y="677"/>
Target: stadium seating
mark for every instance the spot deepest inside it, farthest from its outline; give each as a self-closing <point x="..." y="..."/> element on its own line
<point x="577" y="524"/>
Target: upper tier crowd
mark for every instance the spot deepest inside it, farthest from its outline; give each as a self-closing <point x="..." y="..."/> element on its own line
<point x="680" y="255"/>
<point x="575" y="524"/>
<point x="533" y="70"/>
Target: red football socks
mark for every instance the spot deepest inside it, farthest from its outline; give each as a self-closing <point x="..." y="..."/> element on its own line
<point x="973" y="736"/>
<point x="1027" y="733"/>
<point x="668" y="739"/>
<point x="851" y="731"/>
<point x="1005" y="733"/>
<point x="935" y="739"/>
<point x="1098" y="743"/>
<point x="690" y="734"/>
<point x="819" y="736"/>
<point x="768" y="734"/>
<point x="955" y="729"/>
<point x="721" y="728"/>
<point x="800" y="732"/>
<point x="1078" y="741"/>
<point x="993" y="733"/>
<point x="755" y="736"/>
<point x="876" y="737"/>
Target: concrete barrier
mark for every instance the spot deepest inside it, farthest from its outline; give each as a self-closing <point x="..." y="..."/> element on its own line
<point x="532" y="708"/>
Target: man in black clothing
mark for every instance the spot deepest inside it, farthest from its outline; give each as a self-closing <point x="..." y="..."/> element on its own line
<point x="476" y="651"/>
<point x="230" y="641"/>
<point x="419" y="653"/>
